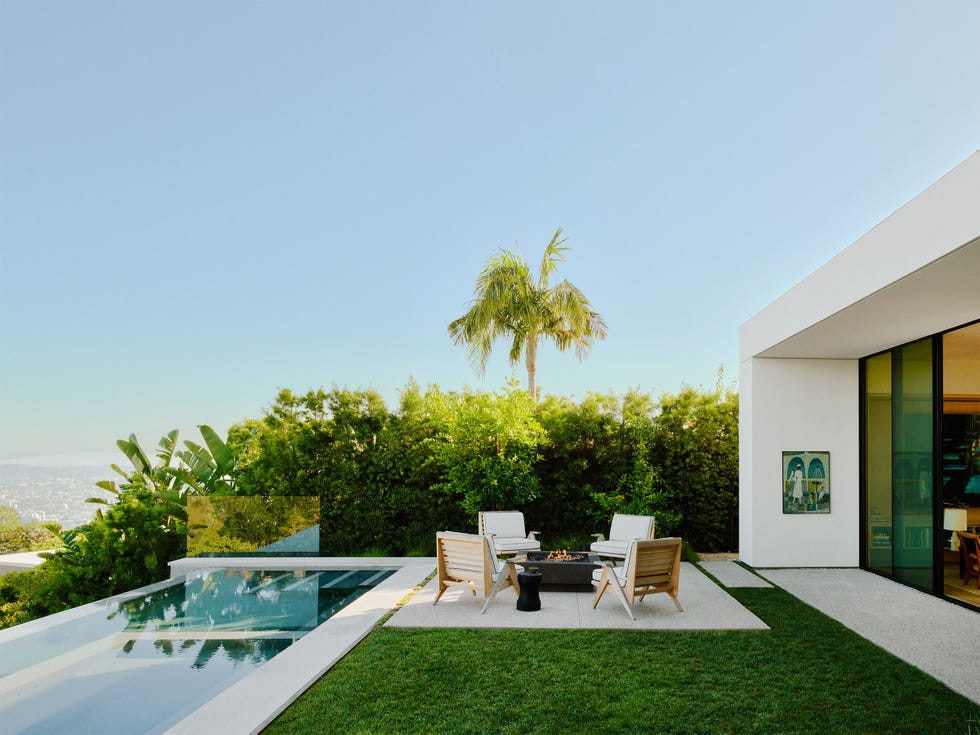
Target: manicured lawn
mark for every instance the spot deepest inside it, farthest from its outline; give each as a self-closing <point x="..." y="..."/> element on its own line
<point x="808" y="674"/>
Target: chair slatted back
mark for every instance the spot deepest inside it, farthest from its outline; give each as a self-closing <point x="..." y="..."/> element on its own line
<point x="653" y="564"/>
<point x="465" y="558"/>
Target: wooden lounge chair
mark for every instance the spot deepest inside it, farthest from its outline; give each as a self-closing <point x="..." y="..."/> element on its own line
<point x="652" y="566"/>
<point x="624" y="529"/>
<point x="469" y="561"/>
<point x="507" y="529"/>
<point x="970" y="549"/>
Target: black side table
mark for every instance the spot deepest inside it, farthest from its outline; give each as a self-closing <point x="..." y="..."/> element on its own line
<point x="529" y="600"/>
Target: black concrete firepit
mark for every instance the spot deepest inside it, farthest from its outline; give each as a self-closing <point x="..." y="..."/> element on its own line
<point x="563" y="572"/>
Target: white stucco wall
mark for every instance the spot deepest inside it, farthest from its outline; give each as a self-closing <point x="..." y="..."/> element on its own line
<point x="913" y="275"/>
<point x="793" y="405"/>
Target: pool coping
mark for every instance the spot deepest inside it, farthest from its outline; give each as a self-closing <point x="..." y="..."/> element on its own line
<point x="254" y="701"/>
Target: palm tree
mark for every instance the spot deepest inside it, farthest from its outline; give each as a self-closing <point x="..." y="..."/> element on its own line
<point x="508" y="302"/>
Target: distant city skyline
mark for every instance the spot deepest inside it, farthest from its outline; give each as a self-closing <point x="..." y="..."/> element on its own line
<point x="202" y="204"/>
<point x="53" y="493"/>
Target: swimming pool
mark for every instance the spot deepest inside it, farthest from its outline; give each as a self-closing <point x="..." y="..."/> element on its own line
<point x="145" y="661"/>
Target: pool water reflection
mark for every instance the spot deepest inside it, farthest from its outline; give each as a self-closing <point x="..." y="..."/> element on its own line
<point x="143" y="661"/>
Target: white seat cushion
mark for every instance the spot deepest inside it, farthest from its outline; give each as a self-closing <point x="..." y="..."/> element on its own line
<point x="629" y="528"/>
<point x="618" y="571"/>
<point x="610" y="548"/>
<point x="505" y="544"/>
<point x="504" y="523"/>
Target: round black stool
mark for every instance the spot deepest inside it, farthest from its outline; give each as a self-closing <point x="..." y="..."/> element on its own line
<point x="529" y="600"/>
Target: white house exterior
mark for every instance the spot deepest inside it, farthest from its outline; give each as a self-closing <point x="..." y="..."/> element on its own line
<point x="806" y="385"/>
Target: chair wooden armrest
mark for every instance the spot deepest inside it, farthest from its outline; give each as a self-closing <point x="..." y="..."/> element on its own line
<point x="599" y="536"/>
<point x="533" y="535"/>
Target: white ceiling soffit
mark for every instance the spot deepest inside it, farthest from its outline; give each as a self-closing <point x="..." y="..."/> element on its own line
<point x="938" y="296"/>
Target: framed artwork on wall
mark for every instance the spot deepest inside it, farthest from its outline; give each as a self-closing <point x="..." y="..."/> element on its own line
<point x="806" y="482"/>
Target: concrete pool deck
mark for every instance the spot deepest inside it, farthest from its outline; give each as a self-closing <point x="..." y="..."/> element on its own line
<point x="252" y="703"/>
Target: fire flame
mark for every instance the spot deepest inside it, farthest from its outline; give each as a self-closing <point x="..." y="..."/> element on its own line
<point x="560" y="555"/>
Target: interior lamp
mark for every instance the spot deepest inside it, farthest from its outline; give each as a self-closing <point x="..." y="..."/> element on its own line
<point x="954" y="519"/>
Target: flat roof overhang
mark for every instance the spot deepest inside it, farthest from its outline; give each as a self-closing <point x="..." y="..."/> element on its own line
<point x="944" y="294"/>
<point x="915" y="274"/>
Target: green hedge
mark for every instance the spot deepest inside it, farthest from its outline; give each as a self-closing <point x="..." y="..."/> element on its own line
<point x="388" y="479"/>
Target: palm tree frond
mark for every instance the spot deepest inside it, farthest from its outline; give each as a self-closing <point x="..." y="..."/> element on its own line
<point x="553" y="254"/>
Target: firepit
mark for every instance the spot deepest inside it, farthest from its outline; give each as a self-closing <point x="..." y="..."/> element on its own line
<point x="562" y="571"/>
<point x="557" y="555"/>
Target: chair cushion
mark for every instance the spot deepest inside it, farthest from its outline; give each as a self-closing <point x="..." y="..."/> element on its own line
<point x="620" y="573"/>
<point x="629" y="528"/>
<point x="505" y="544"/>
<point x="504" y="523"/>
<point x="610" y="548"/>
<point x="492" y="549"/>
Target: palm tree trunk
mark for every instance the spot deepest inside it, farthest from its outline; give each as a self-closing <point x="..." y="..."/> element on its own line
<point x="531" y="361"/>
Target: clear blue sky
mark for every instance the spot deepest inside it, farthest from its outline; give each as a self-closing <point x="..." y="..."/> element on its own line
<point x="201" y="203"/>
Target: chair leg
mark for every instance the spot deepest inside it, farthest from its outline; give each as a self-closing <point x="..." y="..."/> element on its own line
<point x="605" y="580"/>
<point x="673" y="596"/>
<point x="608" y="580"/>
<point x="498" y="584"/>
<point x="600" y="588"/>
<point x="441" y="590"/>
<point x="618" y="590"/>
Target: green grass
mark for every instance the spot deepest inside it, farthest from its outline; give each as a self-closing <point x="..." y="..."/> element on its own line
<point x="808" y="674"/>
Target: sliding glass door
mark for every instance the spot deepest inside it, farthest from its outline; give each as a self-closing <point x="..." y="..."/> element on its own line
<point x="912" y="463"/>
<point x="921" y="460"/>
<point x="898" y="461"/>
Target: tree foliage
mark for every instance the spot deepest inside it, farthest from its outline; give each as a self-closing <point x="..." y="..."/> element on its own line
<point x="489" y="449"/>
<point x="374" y="470"/>
<point x="696" y="447"/>
<point x="15" y="535"/>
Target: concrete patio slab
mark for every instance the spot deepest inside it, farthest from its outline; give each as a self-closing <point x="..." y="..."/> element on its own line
<point x="706" y="607"/>
<point x="732" y="574"/>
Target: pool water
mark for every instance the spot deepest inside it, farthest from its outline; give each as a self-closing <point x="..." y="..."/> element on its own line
<point x="141" y="662"/>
